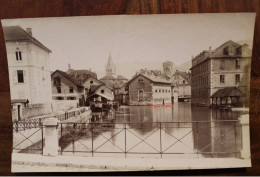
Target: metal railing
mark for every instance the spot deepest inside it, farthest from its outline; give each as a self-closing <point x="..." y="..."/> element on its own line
<point x="200" y="138"/>
<point x="37" y="122"/>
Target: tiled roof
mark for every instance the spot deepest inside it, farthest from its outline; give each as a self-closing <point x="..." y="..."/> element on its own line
<point x="68" y="77"/>
<point x="16" y="33"/>
<point x="81" y="72"/>
<point x="120" y="77"/>
<point x="185" y="75"/>
<point x="153" y="78"/>
<point x="108" y="77"/>
<point x="226" y="92"/>
<point x="93" y="88"/>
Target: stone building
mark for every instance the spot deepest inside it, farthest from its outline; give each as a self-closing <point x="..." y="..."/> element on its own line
<point x="29" y="73"/>
<point x="146" y="89"/>
<point x="67" y="93"/>
<point x="181" y="85"/>
<point x="221" y="76"/>
<point x="180" y="80"/>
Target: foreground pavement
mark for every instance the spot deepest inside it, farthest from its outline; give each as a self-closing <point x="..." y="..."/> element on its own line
<point x="38" y="163"/>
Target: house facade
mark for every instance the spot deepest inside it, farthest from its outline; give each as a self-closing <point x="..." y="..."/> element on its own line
<point x="66" y="91"/>
<point x="29" y="73"/>
<point x="181" y="85"/>
<point x="148" y="89"/>
<point x="215" y="70"/>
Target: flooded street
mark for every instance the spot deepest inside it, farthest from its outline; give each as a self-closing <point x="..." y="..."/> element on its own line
<point x="181" y="131"/>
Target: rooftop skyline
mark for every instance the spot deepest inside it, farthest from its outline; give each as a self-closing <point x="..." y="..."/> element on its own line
<point x="134" y="40"/>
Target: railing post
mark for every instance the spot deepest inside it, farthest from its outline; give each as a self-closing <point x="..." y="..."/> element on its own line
<point x="92" y="138"/>
<point x="244" y="121"/>
<point x="161" y="139"/>
<point x="51" y="138"/>
<point x="42" y="138"/>
<point x="17" y="128"/>
<point x="61" y="136"/>
<point x="125" y="139"/>
<point x="197" y="138"/>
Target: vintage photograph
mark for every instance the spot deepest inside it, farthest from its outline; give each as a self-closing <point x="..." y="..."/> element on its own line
<point x="130" y="92"/>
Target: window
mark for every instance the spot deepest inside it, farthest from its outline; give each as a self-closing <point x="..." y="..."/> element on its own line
<point x="58" y="89"/>
<point x="60" y="98"/>
<point x="91" y="82"/>
<point x="71" y="89"/>
<point x="20" y="76"/>
<point x="102" y="91"/>
<point x="222" y="79"/>
<point x="18" y="54"/>
<point x="156" y="90"/>
<point x="160" y="90"/>
<point x="183" y="81"/>
<point x="237" y="78"/>
<point x="141" y="95"/>
<point x="140" y="81"/>
<point x="163" y="90"/>
<point x="237" y="64"/>
<point x="57" y="81"/>
<point x="222" y="64"/>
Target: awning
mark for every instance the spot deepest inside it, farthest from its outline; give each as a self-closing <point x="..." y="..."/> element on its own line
<point x="102" y="95"/>
<point x="19" y="101"/>
<point x="228" y="92"/>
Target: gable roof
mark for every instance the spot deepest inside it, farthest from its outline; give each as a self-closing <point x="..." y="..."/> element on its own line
<point x="226" y="92"/>
<point x="228" y="43"/>
<point x="68" y="77"/>
<point x="120" y="77"/>
<point x="183" y="74"/>
<point x="93" y="88"/>
<point x="217" y="54"/>
<point x="152" y="78"/>
<point x="16" y="33"/>
<point x="108" y="77"/>
<point x="81" y="72"/>
<point x="91" y="77"/>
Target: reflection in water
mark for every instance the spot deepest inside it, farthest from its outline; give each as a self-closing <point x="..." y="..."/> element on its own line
<point x="182" y="129"/>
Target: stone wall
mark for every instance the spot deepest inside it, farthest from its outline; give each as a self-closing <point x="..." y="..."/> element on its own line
<point x="63" y="105"/>
<point x="30" y="112"/>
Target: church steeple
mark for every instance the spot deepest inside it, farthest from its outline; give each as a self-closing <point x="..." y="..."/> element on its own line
<point x="110" y="68"/>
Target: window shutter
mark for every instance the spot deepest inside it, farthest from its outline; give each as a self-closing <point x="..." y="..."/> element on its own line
<point x="24" y="76"/>
<point x="15" y="77"/>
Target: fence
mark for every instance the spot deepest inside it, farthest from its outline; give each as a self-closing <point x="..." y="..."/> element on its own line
<point x="199" y="138"/>
<point x="37" y="122"/>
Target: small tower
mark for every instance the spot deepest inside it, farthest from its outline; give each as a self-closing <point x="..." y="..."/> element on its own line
<point x="110" y="68"/>
<point x="167" y="68"/>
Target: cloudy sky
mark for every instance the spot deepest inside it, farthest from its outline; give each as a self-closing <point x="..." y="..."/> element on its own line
<point x="135" y="41"/>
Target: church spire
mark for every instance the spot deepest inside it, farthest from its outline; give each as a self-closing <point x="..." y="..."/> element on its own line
<point x="110" y="68"/>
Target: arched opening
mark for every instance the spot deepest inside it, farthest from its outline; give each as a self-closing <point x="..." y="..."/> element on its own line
<point x="141" y="95"/>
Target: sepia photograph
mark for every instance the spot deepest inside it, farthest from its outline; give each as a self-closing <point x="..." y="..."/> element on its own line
<point x="130" y="92"/>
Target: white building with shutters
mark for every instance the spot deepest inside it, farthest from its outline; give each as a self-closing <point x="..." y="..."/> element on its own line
<point x="29" y="73"/>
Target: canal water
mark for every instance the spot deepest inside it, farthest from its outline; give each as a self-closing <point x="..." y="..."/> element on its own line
<point x="179" y="131"/>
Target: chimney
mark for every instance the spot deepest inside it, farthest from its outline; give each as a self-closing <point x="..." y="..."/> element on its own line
<point x="209" y="50"/>
<point x="69" y="68"/>
<point x="29" y="31"/>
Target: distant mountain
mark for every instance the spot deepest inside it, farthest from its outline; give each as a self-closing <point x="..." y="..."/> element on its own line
<point x="249" y="42"/>
<point x="185" y="66"/>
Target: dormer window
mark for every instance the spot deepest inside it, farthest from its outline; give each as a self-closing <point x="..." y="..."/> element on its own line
<point x="18" y="54"/>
